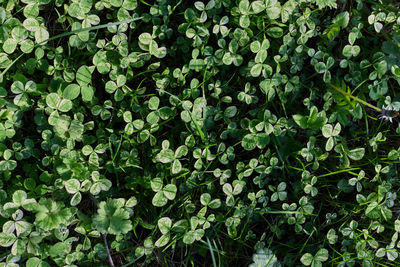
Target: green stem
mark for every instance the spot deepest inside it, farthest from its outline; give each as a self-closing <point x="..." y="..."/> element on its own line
<point x="354" y="97"/>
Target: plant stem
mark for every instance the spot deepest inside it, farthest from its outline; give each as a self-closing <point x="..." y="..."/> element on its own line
<point x="108" y="251"/>
<point x="354" y="97"/>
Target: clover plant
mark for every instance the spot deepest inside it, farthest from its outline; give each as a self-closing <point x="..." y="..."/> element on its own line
<point x="207" y="132"/>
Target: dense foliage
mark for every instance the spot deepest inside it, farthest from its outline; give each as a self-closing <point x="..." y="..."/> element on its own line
<point x="204" y="133"/>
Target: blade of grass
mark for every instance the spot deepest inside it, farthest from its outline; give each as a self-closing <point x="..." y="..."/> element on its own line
<point x="218" y="253"/>
<point x="131" y="262"/>
<point x="336" y="172"/>
<point x="212" y="253"/>
<point x="354" y="97"/>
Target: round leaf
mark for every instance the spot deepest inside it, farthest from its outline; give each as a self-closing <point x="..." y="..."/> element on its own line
<point x="164" y="224"/>
<point x="170" y="191"/>
<point x="83" y="76"/>
<point x="52" y="100"/>
<point x="72" y="186"/>
<point x="41" y="35"/>
<point x="159" y="199"/>
<point x="71" y="91"/>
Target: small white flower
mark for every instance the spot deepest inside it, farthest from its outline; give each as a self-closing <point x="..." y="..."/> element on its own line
<point x="386" y="113"/>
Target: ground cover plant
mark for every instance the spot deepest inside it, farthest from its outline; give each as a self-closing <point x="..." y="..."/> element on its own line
<point x="199" y="133"/>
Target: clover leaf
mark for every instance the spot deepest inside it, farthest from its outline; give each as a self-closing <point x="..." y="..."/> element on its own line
<point x="163" y="193"/>
<point x="51" y="214"/>
<point x="316" y="260"/>
<point x="112" y="218"/>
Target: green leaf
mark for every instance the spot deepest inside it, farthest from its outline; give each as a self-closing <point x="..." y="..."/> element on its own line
<point x="72" y="186"/>
<point x="227" y="189"/>
<point x="156" y="184"/>
<point x="381" y="67"/>
<point x="164" y="224"/>
<point x="275" y="32"/>
<point x="31" y="24"/>
<point x="392" y="254"/>
<point x="58" y="249"/>
<point x="112" y="218"/>
<point x="65" y="105"/>
<point x="9" y="45"/>
<point x="154" y="102"/>
<point x="116" y="3"/>
<point x="249" y="141"/>
<point x="230" y="112"/>
<point x="162" y="241"/>
<point x="199" y="5"/>
<point x="76" y="199"/>
<point x="244" y="21"/>
<point x="322" y="255"/>
<point x="336" y="129"/>
<point x="320" y="67"/>
<point x="307" y="259"/>
<point x="342" y="19"/>
<point x="327" y="130"/>
<point x="357" y="153"/>
<point x="87" y="92"/>
<point x="258" y="6"/>
<point x="255" y="46"/>
<point x="84" y="76"/>
<point x="159" y="199"/>
<point x="205" y="199"/>
<point x="262" y="140"/>
<point x="41" y="35"/>
<point x="166" y="156"/>
<point x="373" y="210"/>
<point x="71" y="91"/>
<point x="227" y="58"/>
<point x="215" y="204"/>
<point x="386" y="213"/>
<point x="7" y="239"/>
<point x="351" y="51"/>
<point x="36" y="262"/>
<point x="332" y="236"/>
<point x="19" y="197"/>
<point x="261" y="56"/>
<point x="300" y="120"/>
<point x="27" y="46"/>
<point x="325" y="3"/>
<point x="181" y="151"/>
<point x="176" y="166"/>
<point x="170" y="191"/>
<point x="29" y="204"/>
<point x="17" y="87"/>
<point x="255" y="71"/>
<point x="244" y="6"/>
<point x="76" y="129"/>
<point x="130" y="4"/>
<point x="145" y="38"/>
<point x="330" y="143"/>
<point x="189" y="237"/>
<point x="52" y="100"/>
<point x="119" y="222"/>
<point x="50" y="214"/>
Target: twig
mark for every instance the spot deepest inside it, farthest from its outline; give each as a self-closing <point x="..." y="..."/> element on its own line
<point x="108" y="250"/>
